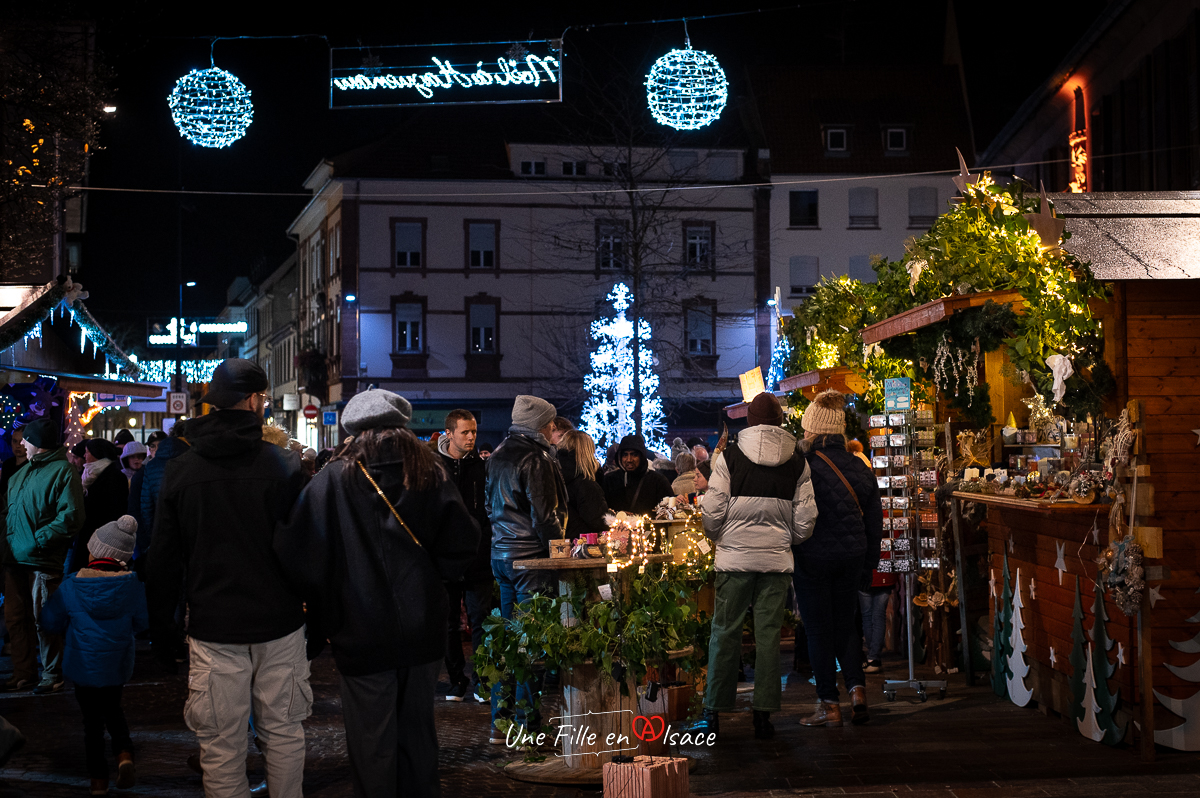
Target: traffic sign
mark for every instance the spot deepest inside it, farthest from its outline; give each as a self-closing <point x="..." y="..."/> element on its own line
<point x="311" y="411"/>
<point x="177" y="403"/>
<point x="329" y="418"/>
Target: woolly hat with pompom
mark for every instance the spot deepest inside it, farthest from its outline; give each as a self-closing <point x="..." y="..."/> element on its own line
<point x="114" y="540"/>
<point x="826" y="415"/>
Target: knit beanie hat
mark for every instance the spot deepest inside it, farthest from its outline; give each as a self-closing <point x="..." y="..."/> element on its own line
<point x="114" y="539"/>
<point x="826" y="415"/>
<point x="531" y="412"/>
<point x="43" y="433"/>
<point x="376" y="408"/>
<point x="132" y="448"/>
<point x="765" y="409"/>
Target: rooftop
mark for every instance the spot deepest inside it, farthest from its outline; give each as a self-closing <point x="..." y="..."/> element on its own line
<point x="1144" y="235"/>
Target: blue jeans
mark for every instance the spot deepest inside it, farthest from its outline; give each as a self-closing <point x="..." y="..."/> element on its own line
<point x="515" y="587"/>
<point x="873" y="602"/>
<point x="827" y="592"/>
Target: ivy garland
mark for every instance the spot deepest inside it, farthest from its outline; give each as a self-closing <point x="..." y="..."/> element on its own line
<point x="984" y="243"/>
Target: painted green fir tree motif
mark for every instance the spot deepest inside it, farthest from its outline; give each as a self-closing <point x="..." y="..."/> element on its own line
<point x="1078" y="657"/>
<point x="1104" y="703"/>
<point x="1002" y="637"/>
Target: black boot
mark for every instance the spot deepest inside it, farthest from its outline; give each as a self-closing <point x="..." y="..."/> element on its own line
<point x="707" y="724"/>
<point x="763" y="730"/>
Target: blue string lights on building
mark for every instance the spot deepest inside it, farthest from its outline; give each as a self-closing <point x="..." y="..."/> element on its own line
<point x="211" y="107"/>
<point x="686" y="89"/>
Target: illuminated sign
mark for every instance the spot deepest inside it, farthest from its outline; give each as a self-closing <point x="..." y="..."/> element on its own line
<point x="196" y="332"/>
<point x="447" y="74"/>
<point x="1078" y="144"/>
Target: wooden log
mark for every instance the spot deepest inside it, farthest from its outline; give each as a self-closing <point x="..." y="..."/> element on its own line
<point x="592" y="700"/>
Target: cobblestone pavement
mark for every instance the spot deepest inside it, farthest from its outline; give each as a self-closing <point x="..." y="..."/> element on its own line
<point x="971" y="745"/>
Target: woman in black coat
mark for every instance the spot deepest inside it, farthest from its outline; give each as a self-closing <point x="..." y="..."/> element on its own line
<point x="586" y="505"/>
<point x="369" y="545"/>
<point x="105" y="496"/>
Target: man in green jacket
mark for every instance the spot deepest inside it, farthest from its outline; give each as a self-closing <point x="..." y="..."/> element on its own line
<point x="45" y="510"/>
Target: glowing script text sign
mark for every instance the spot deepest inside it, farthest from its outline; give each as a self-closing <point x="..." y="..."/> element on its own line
<point x="455" y="74"/>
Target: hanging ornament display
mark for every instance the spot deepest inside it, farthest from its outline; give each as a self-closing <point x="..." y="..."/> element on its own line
<point x="211" y="107"/>
<point x="686" y="89"/>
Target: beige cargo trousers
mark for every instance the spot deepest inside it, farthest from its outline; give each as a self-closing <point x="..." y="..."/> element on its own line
<point x="226" y="684"/>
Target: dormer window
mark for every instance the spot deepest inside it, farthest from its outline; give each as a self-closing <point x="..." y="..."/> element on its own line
<point x="896" y="139"/>
<point x="837" y="139"/>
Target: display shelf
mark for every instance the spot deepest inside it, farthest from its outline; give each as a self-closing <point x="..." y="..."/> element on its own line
<point x="1032" y="505"/>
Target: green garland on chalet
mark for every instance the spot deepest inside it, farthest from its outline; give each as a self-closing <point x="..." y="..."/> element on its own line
<point x="988" y="241"/>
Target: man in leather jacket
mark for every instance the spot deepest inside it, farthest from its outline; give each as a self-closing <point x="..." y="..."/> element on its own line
<point x="527" y="501"/>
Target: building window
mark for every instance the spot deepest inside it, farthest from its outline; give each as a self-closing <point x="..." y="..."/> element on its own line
<point x="482" y="318"/>
<point x="837" y="139"/>
<point x="860" y="269"/>
<point x="802" y="209"/>
<point x="698" y="239"/>
<point x="922" y="207"/>
<point x="896" y="139"/>
<point x="482" y="250"/>
<point x="610" y="247"/>
<point x="864" y="207"/>
<point x="574" y="168"/>
<point x="409" y="317"/>
<point x="700" y="325"/>
<point x="533" y="167"/>
<point x="315" y="249"/>
<point x="409" y="238"/>
<point x="335" y="248"/>
<point x="805" y="273"/>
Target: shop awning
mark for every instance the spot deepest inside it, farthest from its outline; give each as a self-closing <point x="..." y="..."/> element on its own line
<point x="82" y="382"/>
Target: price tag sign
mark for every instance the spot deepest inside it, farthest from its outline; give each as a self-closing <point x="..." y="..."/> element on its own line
<point x="612" y="568"/>
<point x="605" y="592"/>
<point x="704" y="547"/>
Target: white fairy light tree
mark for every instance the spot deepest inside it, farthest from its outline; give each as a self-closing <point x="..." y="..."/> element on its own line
<point x="1017" y="666"/>
<point x="610" y="411"/>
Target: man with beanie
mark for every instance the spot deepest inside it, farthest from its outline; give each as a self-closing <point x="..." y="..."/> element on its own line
<point x="214" y="528"/>
<point x="838" y="559"/>
<point x="527" y="503"/>
<point x="45" y="510"/>
<point x="634" y="487"/>
<point x="99" y="609"/>
<point x="758" y="505"/>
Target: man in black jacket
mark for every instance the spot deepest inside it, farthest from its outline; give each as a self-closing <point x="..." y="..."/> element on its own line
<point x="527" y="501"/>
<point x="468" y="472"/>
<point x="634" y="488"/>
<point x="214" y="526"/>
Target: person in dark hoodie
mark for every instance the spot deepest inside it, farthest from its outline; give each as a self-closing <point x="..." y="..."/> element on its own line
<point x="105" y="496"/>
<point x="837" y="560"/>
<point x="468" y="472"/>
<point x="100" y="609"/>
<point x="370" y="544"/>
<point x="634" y="487"/>
<point x="214" y="530"/>
<point x="527" y="504"/>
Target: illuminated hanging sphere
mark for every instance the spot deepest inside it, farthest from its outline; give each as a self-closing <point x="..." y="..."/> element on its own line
<point x="686" y="89"/>
<point x="211" y="107"/>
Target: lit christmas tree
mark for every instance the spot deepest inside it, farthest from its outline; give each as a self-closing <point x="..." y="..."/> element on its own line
<point x="779" y="361"/>
<point x="610" y="409"/>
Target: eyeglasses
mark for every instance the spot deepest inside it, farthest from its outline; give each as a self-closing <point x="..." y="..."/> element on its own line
<point x="266" y="399"/>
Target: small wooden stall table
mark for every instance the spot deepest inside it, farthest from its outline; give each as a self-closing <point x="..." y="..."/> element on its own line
<point x="588" y="693"/>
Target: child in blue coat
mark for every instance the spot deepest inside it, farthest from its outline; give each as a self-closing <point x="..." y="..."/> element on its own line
<point x="99" y="609"/>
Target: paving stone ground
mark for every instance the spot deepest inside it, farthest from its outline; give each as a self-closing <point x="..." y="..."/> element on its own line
<point x="971" y="745"/>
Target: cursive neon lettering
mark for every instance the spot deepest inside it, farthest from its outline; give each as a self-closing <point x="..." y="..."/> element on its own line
<point x="532" y="71"/>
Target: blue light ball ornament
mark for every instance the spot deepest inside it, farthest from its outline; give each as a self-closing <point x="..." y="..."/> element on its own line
<point x="211" y="107"/>
<point x="686" y="89"/>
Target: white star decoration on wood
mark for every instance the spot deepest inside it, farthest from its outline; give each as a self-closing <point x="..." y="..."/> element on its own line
<point x="1095" y="534"/>
<point x="1060" y="564"/>
<point x="1053" y="657"/>
<point x="1033" y="588"/>
<point x="1155" y="596"/>
<point x="1120" y="653"/>
<point x="1010" y="543"/>
<point x="964" y="177"/>
<point x="992" y="582"/>
<point x="1197" y="431"/>
<point x="1048" y="227"/>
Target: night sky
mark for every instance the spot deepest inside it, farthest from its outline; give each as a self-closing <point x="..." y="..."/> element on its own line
<point x="130" y="251"/>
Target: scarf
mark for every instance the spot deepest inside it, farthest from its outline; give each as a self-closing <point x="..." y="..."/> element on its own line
<point x="94" y="469"/>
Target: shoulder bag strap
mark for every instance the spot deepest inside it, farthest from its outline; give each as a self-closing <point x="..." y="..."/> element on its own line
<point x="395" y="514"/>
<point x="841" y="476"/>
